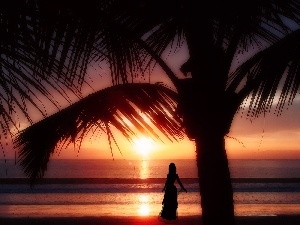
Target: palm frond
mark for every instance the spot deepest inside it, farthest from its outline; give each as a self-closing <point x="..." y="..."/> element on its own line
<point x="118" y="106"/>
<point x="33" y="61"/>
<point x="264" y="73"/>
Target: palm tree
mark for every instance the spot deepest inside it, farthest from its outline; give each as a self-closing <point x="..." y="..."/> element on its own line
<point x="63" y="39"/>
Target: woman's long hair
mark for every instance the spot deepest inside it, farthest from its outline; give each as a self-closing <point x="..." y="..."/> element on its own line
<point x="172" y="168"/>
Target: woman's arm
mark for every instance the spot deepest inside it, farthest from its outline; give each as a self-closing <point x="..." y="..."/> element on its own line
<point x="179" y="182"/>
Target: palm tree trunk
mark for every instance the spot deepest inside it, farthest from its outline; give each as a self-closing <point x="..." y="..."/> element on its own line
<point x="205" y="115"/>
<point x="206" y="123"/>
<point x="214" y="181"/>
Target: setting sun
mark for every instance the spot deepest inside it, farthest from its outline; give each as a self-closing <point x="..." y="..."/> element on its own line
<point x="143" y="145"/>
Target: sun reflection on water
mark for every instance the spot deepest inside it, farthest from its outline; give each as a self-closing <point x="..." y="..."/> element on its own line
<point x="144" y="172"/>
<point x="144" y="208"/>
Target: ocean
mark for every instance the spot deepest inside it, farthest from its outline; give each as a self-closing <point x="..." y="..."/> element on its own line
<point x="134" y="188"/>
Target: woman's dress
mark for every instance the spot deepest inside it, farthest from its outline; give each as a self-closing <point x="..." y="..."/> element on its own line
<point x="170" y="204"/>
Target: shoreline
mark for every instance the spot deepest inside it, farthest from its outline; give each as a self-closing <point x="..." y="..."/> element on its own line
<point x="14" y="181"/>
<point x="148" y="220"/>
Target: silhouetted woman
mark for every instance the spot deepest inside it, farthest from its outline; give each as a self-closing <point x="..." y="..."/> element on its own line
<point x="170" y="204"/>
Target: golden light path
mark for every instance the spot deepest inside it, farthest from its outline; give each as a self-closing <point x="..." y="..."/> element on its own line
<point x="144" y="208"/>
<point x="144" y="172"/>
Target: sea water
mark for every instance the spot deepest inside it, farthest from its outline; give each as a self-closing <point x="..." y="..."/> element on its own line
<point x="134" y="188"/>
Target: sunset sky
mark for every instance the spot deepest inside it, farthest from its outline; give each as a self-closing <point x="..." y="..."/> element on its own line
<point x="269" y="137"/>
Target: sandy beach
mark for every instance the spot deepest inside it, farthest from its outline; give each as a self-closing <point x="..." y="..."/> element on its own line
<point x="190" y="220"/>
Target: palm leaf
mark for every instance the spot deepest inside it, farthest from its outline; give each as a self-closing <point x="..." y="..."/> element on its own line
<point x="275" y="68"/>
<point x="117" y="106"/>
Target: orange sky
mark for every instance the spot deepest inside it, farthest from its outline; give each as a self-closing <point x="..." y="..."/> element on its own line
<point x="270" y="137"/>
<point x="266" y="138"/>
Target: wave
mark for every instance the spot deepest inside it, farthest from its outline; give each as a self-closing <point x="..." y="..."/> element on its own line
<point x="136" y="180"/>
<point x="109" y="185"/>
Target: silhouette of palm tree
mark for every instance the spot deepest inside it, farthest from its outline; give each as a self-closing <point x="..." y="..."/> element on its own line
<point x="54" y="42"/>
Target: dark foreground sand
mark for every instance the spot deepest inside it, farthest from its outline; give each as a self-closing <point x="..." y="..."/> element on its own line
<point x="249" y="220"/>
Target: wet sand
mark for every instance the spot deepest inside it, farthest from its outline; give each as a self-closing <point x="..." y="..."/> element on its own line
<point x="128" y="220"/>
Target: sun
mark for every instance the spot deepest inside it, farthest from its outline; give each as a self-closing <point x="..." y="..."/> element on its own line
<point x="143" y="145"/>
